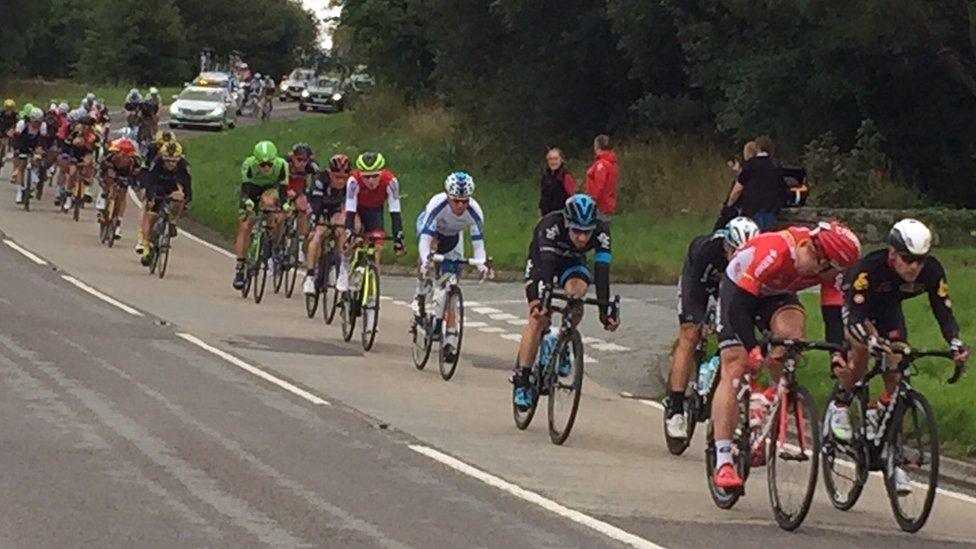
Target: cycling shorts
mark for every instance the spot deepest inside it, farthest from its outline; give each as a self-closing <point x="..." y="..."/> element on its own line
<point x="888" y="319"/>
<point x="762" y="312"/>
<point x="692" y="301"/>
<point x="372" y="220"/>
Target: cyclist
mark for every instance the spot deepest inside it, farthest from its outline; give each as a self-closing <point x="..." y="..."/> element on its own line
<point x="153" y="102"/>
<point x="873" y="292"/>
<point x="168" y="177"/>
<point x="88" y="102"/>
<point x="268" y="91"/>
<point x="83" y="142"/>
<point x="327" y="201"/>
<point x="557" y="254"/>
<point x="759" y="290"/>
<point x="301" y="168"/>
<point x="26" y="139"/>
<point x="439" y="230"/>
<point x="162" y="138"/>
<point x="264" y="183"/>
<point x="369" y="187"/>
<point x="118" y="169"/>
<point x="8" y="119"/>
<point x="708" y="256"/>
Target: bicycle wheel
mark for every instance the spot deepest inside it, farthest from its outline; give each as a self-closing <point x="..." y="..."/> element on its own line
<point x="370" y="306"/>
<point x="845" y="463"/>
<point x="567" y="387"/>
<point x="330" y="296"/>
<point x="793" y="452"/>
<point x="524" y="417"/>
<point x="312" y="303"/>
<point x="110" y="215"/>
<point x="261" y="267"/>
<point x="677" y="446"/>
<point x="348" y="315"/>
<point x="79" y="197"/>
<point x="162" y="250"/>
<point x="278" y="274"/>
<point x="422" y="343"/>
<point x="455" y="303"/>
<point x="726" y="499"/>
<point x="912" y="445"/>
<point x="291" y="275"/>
<point x="26" y="192"/>
<point x="153" y="250"/>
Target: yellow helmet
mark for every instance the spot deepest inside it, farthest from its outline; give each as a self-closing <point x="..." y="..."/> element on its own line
<point x="9" y="104"/>
<point x="171" y="151"/>
<point x="165" y="137"/>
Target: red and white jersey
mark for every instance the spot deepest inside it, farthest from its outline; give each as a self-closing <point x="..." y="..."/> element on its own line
<point x="767" y="266"/>
<point x="358" y="195"/>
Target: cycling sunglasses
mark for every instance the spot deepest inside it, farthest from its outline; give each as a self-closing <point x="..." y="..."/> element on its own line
<point x="460" y="201"/>
<point x="300" y="158"/>
<point x="266" y="164"/>
<point x="911" y="258"/>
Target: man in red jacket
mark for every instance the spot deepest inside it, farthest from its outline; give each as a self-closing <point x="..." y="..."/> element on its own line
<point x="601" y="178"/>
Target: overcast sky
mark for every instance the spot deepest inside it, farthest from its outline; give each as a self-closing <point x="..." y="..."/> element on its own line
<point x="321" y="8"/>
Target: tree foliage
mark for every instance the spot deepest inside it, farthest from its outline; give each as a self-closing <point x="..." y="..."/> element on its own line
<point x="530" y="72"/>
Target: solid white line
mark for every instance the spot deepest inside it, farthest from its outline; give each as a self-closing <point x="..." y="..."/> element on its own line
<point x="604" y="528"/>
<point x="187" y="234"/>
<point x="107" y="299"/>
<point x="651" y="403"/>
<point x="24" y="252"/>
<point x="254" y="370"/>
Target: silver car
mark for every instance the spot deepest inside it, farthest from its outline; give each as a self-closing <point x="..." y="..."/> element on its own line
<point x="294" y="84"/>
<point x="324" y="94"/>
<point x="205" y="107"/>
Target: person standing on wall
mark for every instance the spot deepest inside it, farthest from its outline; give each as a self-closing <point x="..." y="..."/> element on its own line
<point x="557" y="184"/>
<point x="728" y="212"/>
<point x="601" y="178"/>
<point x="759" y="189"/>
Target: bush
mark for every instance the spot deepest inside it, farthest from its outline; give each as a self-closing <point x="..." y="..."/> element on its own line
<point x="859" y="178"/>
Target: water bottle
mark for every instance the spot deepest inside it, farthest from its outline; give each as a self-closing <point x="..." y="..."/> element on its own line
<point x="547" y="346"/>
<point x="706" y="374"/>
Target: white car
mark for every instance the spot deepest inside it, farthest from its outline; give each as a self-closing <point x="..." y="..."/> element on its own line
<point x="294" y="84"/>
<point x="205" y="107"/>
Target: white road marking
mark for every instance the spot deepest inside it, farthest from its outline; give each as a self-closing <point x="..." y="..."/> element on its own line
<point x="512" y="337"/>
<point x="491" y="330"/>
<point x="651" y="403"/>
<point x="254" y="370"/>
<point x="188" y="234"/>
<point x="599" y="526"/>
<point x="589" y="340"/>
<point x="24" y="252"/>
<point x="400" y="302"/>
<point x="485" y="310"/>
<point x="519" y="322"/>
<point x="587" y="359"/>
<point x="106" y="298"/>
<point x="503" y="316"/>
<point x="473" y="304"/>
<point x="475" y="324"/>
<point x="610" y="347"/>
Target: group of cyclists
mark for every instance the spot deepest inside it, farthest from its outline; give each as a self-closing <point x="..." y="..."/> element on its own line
<point x="753" y="277"/>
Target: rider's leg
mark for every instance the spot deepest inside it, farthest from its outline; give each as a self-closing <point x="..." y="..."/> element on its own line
<point x="725" y="408"/>
<point x="786" y="322"/>
<point x="681" y="365"/>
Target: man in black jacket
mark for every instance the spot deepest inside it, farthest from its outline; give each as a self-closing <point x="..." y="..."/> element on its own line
<point x="759" y="190"/>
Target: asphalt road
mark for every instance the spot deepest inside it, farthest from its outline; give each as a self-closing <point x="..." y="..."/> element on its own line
<point x="175" y="413"/>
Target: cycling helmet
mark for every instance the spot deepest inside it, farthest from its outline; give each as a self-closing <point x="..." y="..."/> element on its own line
<point x="739" y="231"/>
<point x="910" y="236"/>
<point x="265" y="151"/>
<point x="580" y="212"/>
<point x="89" y="97"/>
<point x="459" y="185"/>
<point x="339" y="164"/>
<point x="64" y="107"/>
<point x="171" y="151"/>
<point x="836" y="243"/>
<point x="370" y="162"/>
<point x="9" y="104"/>
<point x="302" y="149"/>
<point x="36" y="115"/>
<point x="153" y="91"/>
<point x="134" y="91"/>
<point x="258" y="76"/>
<point x="165" y="137"/>
<point x="123" y="145"/>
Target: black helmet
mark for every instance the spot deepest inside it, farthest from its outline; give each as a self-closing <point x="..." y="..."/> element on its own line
<point x="302" y="149"/>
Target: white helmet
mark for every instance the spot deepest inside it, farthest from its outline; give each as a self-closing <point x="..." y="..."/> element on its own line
<point x="459" y="185"/>
<point x="740" y="230"/>
<point x="153" y="91"/>
<point x="36" y="114"/>
<point x="910" y="236"/>
<point x="257" y="75"/>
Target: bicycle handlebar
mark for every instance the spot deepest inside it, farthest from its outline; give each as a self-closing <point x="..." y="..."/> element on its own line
<point x="801" y="344"/>
<point x="612" y="305"/>
<point x="912" y="353"/>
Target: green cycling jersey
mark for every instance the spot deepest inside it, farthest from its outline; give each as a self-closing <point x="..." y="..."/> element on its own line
<point x="251" y="173"/>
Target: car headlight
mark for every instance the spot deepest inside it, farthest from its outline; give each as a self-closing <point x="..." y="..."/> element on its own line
<point x="173" y="109"/>
<point x="219" y="111"/>
<point x="284" y="86"/>
<point x="305" y="93"/>
<point x="337" y="97"/>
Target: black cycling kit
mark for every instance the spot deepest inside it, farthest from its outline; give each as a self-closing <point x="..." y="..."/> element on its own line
<point x="700" y="277"/>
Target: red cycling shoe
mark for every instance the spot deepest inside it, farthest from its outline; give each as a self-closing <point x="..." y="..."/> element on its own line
<point x="727" y="478"/>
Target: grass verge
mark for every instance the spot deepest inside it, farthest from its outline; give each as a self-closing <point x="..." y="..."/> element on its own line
<point x="42" y="92"/>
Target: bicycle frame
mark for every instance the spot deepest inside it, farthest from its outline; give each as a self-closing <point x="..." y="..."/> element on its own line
<point x="362" y="256"/>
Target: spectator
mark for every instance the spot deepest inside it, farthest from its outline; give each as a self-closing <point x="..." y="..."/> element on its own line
<point x="557" y="184"/>
<point x="601" y="178"/>
<point x="728" y="212"/>
<point x="759" y="189"/>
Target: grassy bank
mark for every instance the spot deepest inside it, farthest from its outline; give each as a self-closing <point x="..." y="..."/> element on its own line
<point x="661" y="185"/>
<point x="654" y="246"/>
<point x="41" y="92"/>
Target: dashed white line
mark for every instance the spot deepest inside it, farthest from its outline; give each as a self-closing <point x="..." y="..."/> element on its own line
<point x="590" y="340"/>
<point x="106" y="298"/>
<point x="474" y="324"/>
<point x="474" y="303"/>
<point x="503" y="316"/>
<point x="491" y="330"/>
<point x="254" y="370"/>
<point x="610" y="347"/>
<point x="24" y="252"/>
<point x="587" y="359"/>
<point x="604" y="528"/>
<point x="486" y="310"/>
<point x="512" y="337"/>
<point x="518" y="322"/>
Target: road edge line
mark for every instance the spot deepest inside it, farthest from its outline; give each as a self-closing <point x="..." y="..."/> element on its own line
<point x="184" y="232"/>
<point x="24" y="252"/>
<point x="290" y="387"/>
<point x="573" y="515"/>
<point x="104" y="297"/>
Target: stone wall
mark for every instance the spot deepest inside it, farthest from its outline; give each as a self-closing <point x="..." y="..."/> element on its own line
<point x="951" y="227"/>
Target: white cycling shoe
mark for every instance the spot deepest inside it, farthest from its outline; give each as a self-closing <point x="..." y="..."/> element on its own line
<point x="308" y="286"/>
<point x="903" y="484"/>
<point x="677" y="427"/>
<point x="840" y="422"/>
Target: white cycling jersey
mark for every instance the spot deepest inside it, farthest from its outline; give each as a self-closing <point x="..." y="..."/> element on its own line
<point x="438" y="220"/>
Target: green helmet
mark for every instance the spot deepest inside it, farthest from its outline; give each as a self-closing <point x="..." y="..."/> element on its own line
<point x="265" y="151"/>
<point x="370" y="162"/>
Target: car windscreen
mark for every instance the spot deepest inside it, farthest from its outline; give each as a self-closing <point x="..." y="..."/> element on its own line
<point x="326" y="83"/>
<point x="202" y="95"/>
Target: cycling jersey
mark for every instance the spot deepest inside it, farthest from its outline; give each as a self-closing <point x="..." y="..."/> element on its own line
<point x="27" y="137"/>
<point x="873" y="291"/>
<point x="325" y="200"/>
<point x="298" y="176"/>
<point x="440" y="222"/>
<point x="120" y="165"/>
<point x="161" y="182"/>
<point x="251" y="173"/>
<point x="81" y="143"/>
<point x="366" y="202"/>
<point x="703" y="269"/>
<point x="553" y="257"/>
